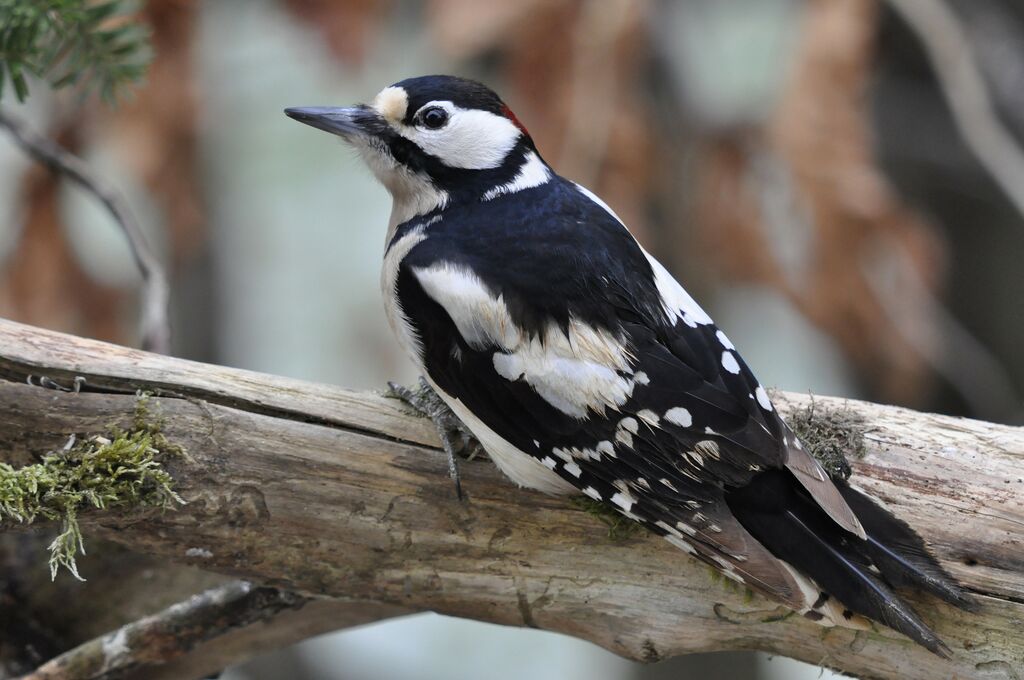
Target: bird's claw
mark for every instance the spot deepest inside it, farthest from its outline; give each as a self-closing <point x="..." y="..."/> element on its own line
<point x="454" y="435"/>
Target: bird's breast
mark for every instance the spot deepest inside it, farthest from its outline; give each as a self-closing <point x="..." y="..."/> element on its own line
<point x="403" y="329"/>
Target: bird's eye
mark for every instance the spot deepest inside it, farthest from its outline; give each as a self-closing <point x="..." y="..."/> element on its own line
<point x="435" y="117"/>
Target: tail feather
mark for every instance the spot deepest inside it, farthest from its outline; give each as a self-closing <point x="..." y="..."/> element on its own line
<point x="859" y="573"/>
<point x="841" y="574"/>
<point x="899" y="553"/>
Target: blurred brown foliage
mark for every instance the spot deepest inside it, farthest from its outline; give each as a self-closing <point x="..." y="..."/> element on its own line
<point x="841" y="215"/>
<point x="154" y="134"/>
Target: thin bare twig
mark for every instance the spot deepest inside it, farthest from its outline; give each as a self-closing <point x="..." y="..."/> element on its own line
<point x="155" y="328"/>
<point x="946" y="45"/>
<point x="170" y="633"/>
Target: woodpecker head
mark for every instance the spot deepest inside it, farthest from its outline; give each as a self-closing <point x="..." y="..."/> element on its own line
<point x="434" y="141"/>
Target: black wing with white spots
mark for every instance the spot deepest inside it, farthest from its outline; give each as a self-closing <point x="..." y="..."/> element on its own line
<point x="561" y="338"/>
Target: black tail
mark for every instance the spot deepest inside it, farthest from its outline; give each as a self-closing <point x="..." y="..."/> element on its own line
<point x="779" y="514"/>
<point x="901" y="554"/>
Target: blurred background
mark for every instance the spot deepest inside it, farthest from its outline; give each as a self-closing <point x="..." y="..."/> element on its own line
<point x="839" y="182"/>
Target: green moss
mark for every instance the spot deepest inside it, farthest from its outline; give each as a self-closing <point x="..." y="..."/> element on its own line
<point x="620" y="528"/>
<point x="121" y="469"/>
<point x="831" y="435"/>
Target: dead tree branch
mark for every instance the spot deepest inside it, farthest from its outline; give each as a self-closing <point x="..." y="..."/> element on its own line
<point x="338" y="494"/>
<point x="170" y="634"/>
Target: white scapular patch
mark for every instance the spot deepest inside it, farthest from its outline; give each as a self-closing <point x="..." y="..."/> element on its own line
<point x="520" y="467"/>
<point x="482" y="318"/>
<point x="577" y="370"/>
<point x="641" y="378"/>
<point x="730" y="364"/>
<point x="680" y="416"/>
<point x="532" y="173"/>
<point x="473" y="139"/>
<point x="726" y="343"/>
<point x="407" y="337"/>
<point x="762" y="398"/>
<point x="629" y="424"/>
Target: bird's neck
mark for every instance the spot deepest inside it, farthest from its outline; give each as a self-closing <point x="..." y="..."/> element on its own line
<point x="415" y="195"/>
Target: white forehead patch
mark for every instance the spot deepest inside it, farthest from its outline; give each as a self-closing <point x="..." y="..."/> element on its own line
<point x="473" y="139"/>
<point x="391" y="103"/>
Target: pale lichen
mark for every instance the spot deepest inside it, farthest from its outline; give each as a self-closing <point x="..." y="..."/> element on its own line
<point x="117" y="470"/>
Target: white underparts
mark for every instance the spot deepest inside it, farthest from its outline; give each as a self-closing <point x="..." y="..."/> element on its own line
<point x="412" y="193"/>
<point x="520" y="467"/>
<point x="408" y="340"/>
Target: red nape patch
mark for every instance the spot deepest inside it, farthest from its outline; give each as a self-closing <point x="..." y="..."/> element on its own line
<point x="507" y="112"/>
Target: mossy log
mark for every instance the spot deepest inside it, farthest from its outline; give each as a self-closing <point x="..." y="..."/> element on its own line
<point x="339" y="494"/>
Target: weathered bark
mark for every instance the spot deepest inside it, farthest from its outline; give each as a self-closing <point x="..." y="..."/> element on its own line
<point x="339" y="494"/>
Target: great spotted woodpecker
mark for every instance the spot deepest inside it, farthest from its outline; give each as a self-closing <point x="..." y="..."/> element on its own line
<point x="581" y="365"/>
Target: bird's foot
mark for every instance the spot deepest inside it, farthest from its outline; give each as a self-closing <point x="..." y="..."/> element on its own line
<point x="455" y="436"/>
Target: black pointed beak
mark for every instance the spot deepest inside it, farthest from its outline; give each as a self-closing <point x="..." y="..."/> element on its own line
<point x="345" y="122"/>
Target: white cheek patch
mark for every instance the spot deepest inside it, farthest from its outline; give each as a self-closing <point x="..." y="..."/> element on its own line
<point x="472" y="139"/>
